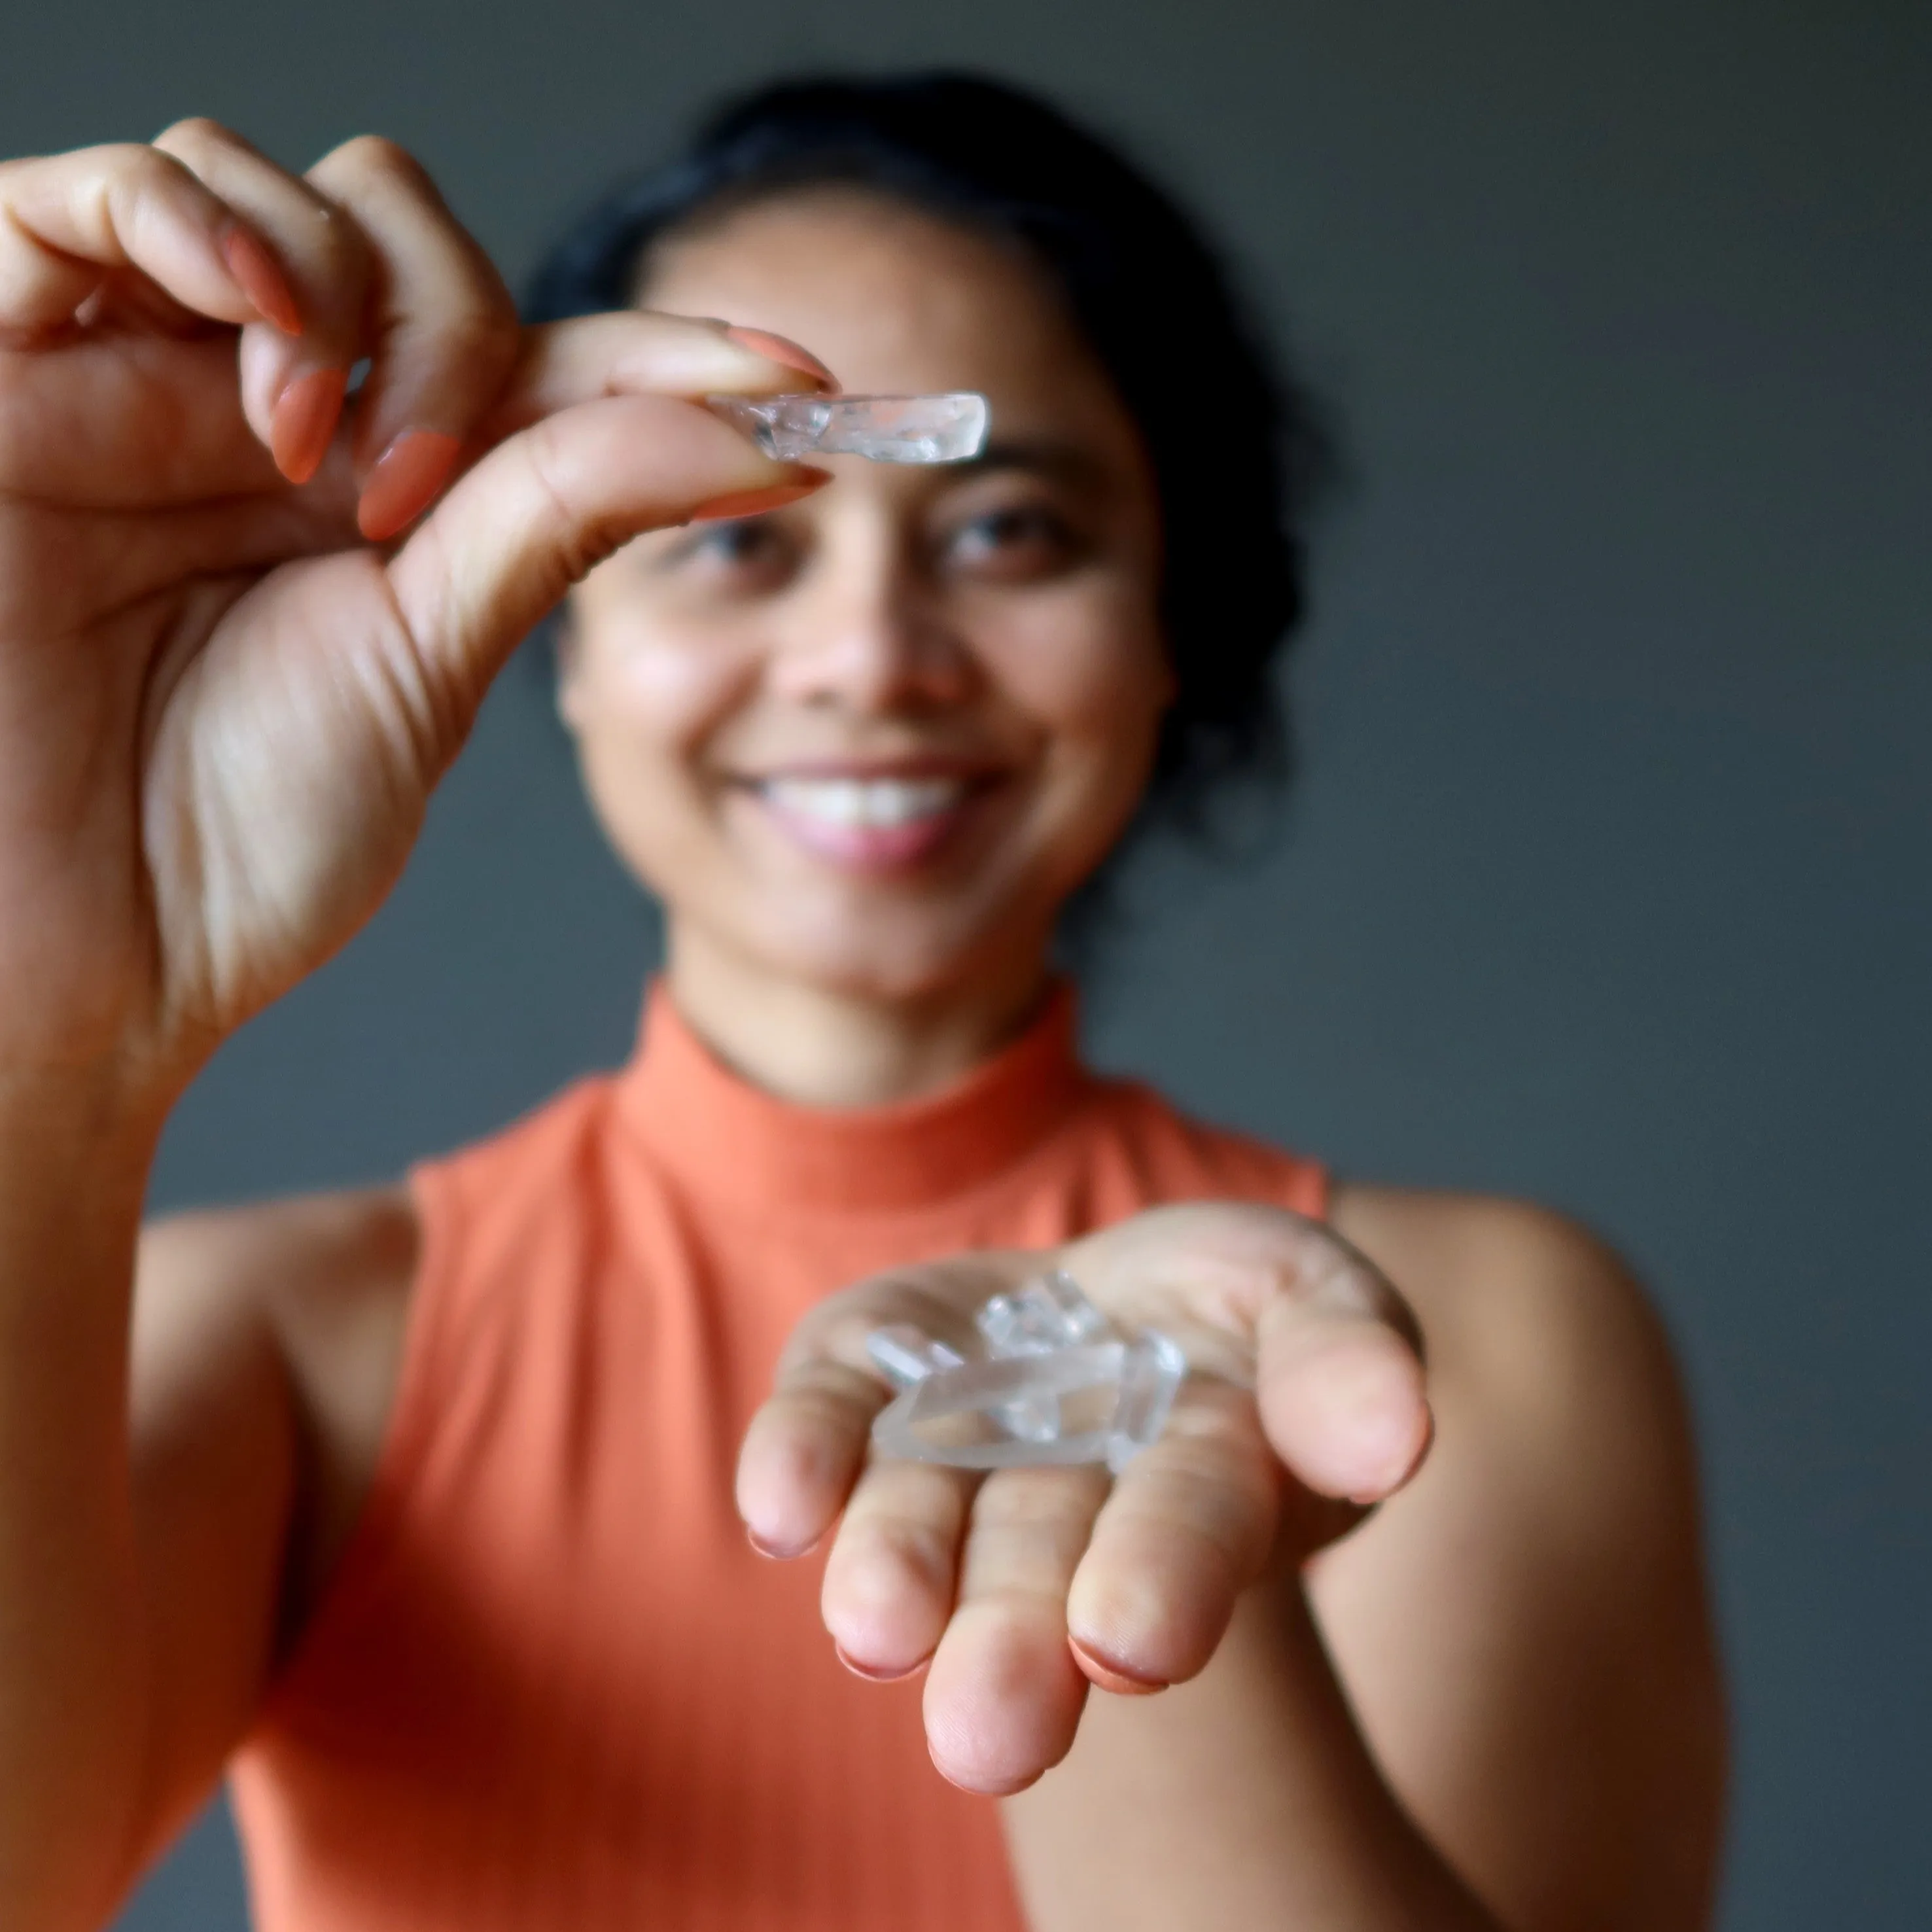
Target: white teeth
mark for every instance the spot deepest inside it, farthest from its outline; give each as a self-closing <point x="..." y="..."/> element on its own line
<point x="872" y="802"/>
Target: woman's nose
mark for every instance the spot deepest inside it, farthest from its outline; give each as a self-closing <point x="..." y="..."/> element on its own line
<point x="871" y="636"/>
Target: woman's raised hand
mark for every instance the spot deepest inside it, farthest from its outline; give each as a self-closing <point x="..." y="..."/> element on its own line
<point x="1305" y="1402"/>
<point x="222" y="702"/>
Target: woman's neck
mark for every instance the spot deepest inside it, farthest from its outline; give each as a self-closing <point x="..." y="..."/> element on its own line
<point x="824" y="1048"/>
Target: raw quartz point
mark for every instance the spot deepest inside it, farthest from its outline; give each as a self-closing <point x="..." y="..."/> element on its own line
<point x="1058" y="1384"/>
<point x="905" y="1356"/>
<point x="887" y="429"/>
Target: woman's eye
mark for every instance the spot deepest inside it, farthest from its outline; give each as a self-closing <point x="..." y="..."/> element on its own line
<point x="1014" y="544"/>
<point x="751" y="553"/>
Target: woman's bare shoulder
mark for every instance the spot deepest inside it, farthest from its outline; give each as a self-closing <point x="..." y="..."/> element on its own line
<point x="1557" y="1396"/>
<point x="281" y="1318"/>
<point x="342" y="1238"/>
<point x="1525" y="1627"/>
<point x="1520" y="1294"/>
<point x="326" y="1277"/>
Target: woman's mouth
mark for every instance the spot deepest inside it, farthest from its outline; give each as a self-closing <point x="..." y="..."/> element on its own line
<point x="871" y="823"/>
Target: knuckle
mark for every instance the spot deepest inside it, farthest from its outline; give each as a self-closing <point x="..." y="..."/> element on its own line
<point x="366" y="158"/>
<point x="335" y="256"/>
<point x="495" y="307"/>
<point x="196" y="133"/>
<point x="581" y="542"/>
<point x="479" y="344"/>
<point x="133" y="165"/>
<point x="1043" y="1502"/>
<point x="918" y="1549"/>
<point x="137" y="185"/>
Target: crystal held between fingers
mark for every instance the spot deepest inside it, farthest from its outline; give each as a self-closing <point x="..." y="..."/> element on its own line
<point x="885" y="429"/>
<point x="1058" y="1384"/>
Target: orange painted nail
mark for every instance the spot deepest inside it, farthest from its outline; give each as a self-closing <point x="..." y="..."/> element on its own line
<point x="780" y="349"/>
<point x="753" y="503"/>
<point x="303" y="423"/>
<point x="407" y="478"/>
<point x="1109" y="1675"/>
<point x="259" y="277"/>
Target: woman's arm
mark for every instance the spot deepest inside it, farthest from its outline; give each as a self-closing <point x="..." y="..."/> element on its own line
<point x="1501" y="1687"/>
<point x="74" y="1670"/>
<point x="191" y="1491"/>
<point x="245" y="625"/>
<point x="267" y="1344"/>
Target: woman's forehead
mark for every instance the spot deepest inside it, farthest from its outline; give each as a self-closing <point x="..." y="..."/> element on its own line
<point x="893" y="300"/>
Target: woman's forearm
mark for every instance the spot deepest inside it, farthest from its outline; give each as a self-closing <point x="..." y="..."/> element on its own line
<point x="1246" y="1799"/>
<point x="73" y="1170"/>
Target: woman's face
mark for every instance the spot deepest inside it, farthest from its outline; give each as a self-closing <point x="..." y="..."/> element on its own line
<point x="870" y="741"/>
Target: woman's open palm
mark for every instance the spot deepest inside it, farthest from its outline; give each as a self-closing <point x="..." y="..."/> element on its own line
<point x="225" y="696"/>
<point x="1305" y="1402"/>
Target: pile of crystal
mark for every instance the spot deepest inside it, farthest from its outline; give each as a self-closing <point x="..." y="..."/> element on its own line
<point x="888" y="429"/>
<point x="1057" y="1383"/>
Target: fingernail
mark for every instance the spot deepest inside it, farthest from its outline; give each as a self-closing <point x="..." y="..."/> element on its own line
<point x="752" y="502"/>
<point x="303" y="423"/>
<point x="406" y="479"/>
<point x="1109" y="1675"/>
<point x="984" y="1790"/>
<point x="259" y="276"/>
<point x="872" y="1676"/>
<point x="777" y="349"/>
<point x="775" y="1551"/>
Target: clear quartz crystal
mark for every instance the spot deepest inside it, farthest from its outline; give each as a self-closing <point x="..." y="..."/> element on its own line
<point x="1057" y="1385"/>
<point x="888" y="429"/>
<point x="905" y="1355"/>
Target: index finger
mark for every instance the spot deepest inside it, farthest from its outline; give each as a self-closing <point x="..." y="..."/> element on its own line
<point x="805" y="1447"/>
<point x="803" y="1453"/>
<point x="644" y="352"/>
<point x="69" y="221"/>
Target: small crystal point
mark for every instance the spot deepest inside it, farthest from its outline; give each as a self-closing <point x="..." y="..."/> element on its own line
<point x="904" y="1354"/>
<point x="1150" y="1378"/>
<point x="1050" y="1311"/>
<point x="886" y="429"/>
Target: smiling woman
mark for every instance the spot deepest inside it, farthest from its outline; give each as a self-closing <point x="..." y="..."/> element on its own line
<point x="870" y="742"/>
<point x="1235" y="451"/>
<point x="424" y="1519"/>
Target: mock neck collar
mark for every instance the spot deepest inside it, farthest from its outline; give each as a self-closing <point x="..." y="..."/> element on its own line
<point x="726" y="1137"/>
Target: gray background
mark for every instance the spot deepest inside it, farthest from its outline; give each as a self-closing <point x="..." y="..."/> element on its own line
<point x="1608" y="881"/>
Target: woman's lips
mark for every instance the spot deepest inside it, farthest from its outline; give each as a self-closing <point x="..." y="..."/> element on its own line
<point x="872" y="823"/>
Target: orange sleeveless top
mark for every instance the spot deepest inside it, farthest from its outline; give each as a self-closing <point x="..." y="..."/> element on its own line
<point x="551" y="1685"/>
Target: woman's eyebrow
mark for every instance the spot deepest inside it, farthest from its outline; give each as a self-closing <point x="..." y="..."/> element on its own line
<point x="1046" y="456"/>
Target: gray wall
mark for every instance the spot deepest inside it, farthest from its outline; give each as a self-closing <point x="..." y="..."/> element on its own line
<point x="1609" y="880"/>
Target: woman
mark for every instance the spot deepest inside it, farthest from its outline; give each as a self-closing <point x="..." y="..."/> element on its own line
<point x="419" y="1499"/>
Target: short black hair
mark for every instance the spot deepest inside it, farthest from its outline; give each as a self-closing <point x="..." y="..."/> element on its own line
<point x="1239" y="450"/>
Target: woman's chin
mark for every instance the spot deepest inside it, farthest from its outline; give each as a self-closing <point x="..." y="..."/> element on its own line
<point x="893" y="954"/>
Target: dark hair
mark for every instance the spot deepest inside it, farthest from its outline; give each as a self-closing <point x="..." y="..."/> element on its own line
<point x="1236" y="450"/>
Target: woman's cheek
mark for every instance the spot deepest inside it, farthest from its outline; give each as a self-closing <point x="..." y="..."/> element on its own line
<point x="652" y="705"/>
<point x="1096" y="697"/>
<point x="1103" y="679"/>
<point x="665" y="695"/>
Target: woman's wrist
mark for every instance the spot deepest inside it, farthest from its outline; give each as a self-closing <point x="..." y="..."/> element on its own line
<point x="76" y="1146"/>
